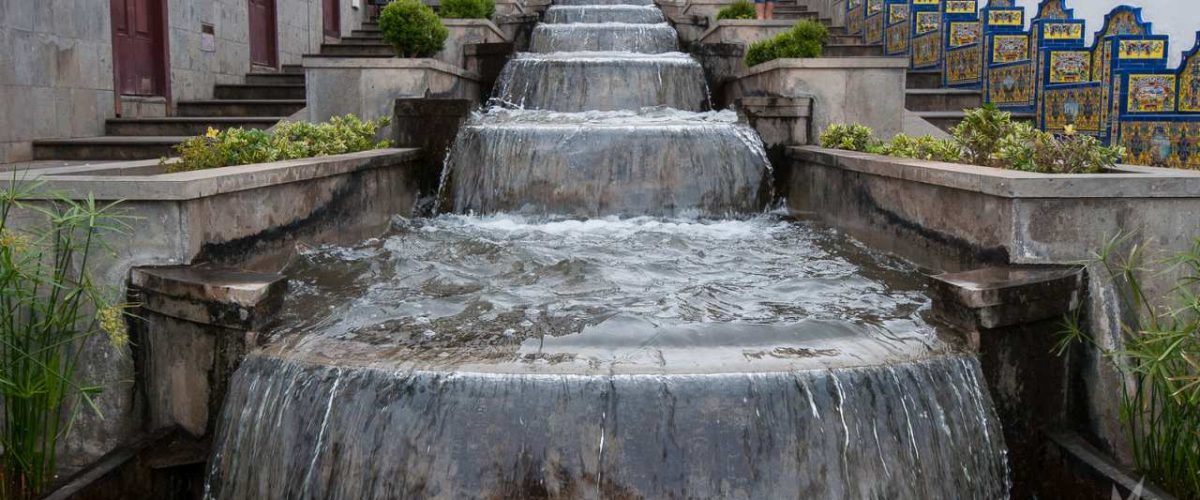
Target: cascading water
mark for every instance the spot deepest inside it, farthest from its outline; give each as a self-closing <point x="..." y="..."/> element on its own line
<point x="610" y="321"/>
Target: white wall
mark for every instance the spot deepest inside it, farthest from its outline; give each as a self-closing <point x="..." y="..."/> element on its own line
<point x="1178" y="18"/>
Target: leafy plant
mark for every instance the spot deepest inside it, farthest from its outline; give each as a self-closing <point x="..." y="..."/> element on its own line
<point x="923" y="148"/>
<point x="1160" y="359"/>
<point x="853" y="137"/>
<point x="805" y="40"/>
<point x="1033" y="150"/>
<point x="412" y="28"/>
<point x="49" y="309"/>
<point x="467" y="9"/>
<point x="981" y="132"/>
<point x="289" y="141"/>
<point x="741" y="9"/>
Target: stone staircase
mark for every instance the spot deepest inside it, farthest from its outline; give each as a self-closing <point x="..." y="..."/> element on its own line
<point x="364" y="42"/>
<point x="259" y="103"/>
<point x="943" y="107"/>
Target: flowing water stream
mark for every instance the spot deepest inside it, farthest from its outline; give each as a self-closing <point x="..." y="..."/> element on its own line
<point x="607" y="310"/>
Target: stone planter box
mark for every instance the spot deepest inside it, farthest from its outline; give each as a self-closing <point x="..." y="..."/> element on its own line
<point x="866" y="90"/>
<point x="745" y="31"/>
<point x="250" y="216"/>
<point x="959" y="218"/>
<point x="368" y="86"/>
<point x="464" y="32"/>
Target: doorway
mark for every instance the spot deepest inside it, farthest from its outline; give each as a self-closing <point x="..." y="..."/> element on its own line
<point x="139" y="47"/>
<point x="263" y="33"/>
<point x="332" y="14"/>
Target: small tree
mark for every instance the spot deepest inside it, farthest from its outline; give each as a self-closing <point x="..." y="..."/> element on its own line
<point x="412" y="28"/>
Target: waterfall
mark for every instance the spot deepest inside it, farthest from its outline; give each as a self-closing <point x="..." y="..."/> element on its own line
<point x="605" y="37"/>
<point x="633" y="14"/>
<point x="604" y="81"/>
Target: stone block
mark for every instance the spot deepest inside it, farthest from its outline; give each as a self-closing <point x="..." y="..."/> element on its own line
<point x="780" y="121"/>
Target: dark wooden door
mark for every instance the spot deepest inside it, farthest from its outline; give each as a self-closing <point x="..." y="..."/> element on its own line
<point x="262" y="32"/>
<point x="138" y="47"/>
<point x="333" y="17"/>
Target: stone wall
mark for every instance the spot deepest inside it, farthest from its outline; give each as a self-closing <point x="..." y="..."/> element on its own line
<point x="56" y="68"/>
<point x="56" y="75"/>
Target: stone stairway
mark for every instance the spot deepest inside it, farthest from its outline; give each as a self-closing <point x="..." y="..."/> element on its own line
<point x="261" y="102"/>
<point x="940" y="106"/>
<point x="363" y="42"/>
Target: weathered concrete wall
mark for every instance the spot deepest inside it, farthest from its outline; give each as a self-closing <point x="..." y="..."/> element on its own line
<point x="56" y="75"/>
<point x="56" y="68"/>
<point x="368" y="87"/>
<point x="464" y="32"/>
<point x="866" y="90"/>
<point x="949" y="217"/>
<point x="248" y="216"/>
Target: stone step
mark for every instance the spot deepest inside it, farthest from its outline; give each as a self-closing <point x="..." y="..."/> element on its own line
<point x="358" y="50"/>
<point x="274" y="79"/>
<point x="375" y="38"/>
<point x="798" y="15"/>
<point x="259" y="91"/>
<point x="852" y="50"/>
<point x="106" y="148"/>
<point x="924" y="79"/>
<point x="183" y="126"/>
<point x="942" y="99"/>
<point x="845" y="39"/>
<point x="947" y="120"/>
<point x="292" y="69"/>
<point x="240" y="107"/>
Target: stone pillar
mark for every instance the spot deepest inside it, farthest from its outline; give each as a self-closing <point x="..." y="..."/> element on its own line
<point x="195" y="325"/>
<point x="1013" y="317"/>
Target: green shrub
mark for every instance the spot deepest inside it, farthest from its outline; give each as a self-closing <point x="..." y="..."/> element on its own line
<point x="741" y="9"/>
<point x="1160" y="362"/>
<point x="412" y="28"/>
<point x="49" y="310"/>
<point x="805" y="40"/>
<point x="289" y="141"/>
<point x="923" y="148"/>
<point x="981" y="132"/>
<point x="467" y="9"/>
<point x="1032" y="150"/>
<point x="852" y="137"/>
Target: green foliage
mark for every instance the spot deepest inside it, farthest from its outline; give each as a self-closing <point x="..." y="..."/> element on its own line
<point x="1160" y="361"/>
<point x="467" y="9"/>
<point x="806" y="39"/>
<point x="981" y="132"/>
<point x="988" y="137"/>
<point x="49" y="310"/>
<point x="923" y="148"/>
<point x="741" y="9"/>
<point x="289" y="141"/>
<point x="412" y="28"/>
<point x="853" y="137"/>
<point x="1032" y="150"/>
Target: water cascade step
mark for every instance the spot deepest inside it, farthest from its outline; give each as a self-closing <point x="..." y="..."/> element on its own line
<point x="604" y="81"/>
<point x="605" y="37"/>
<point x="639" y="14"/>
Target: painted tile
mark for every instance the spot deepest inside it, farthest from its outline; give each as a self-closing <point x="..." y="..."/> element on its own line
<point x="1142" y="49"/>
<point x="925" y="2"/>
<point x="1151" y="93"/>
<point x="928" y="22"/>
<point x="964" y="33"/>
<point x="961" y="7"/>
<point x="1070" y="66"/>
<point x="964" y="66"/>
<point x="874" y="7"/>
<point x="1062" y="31"/>
<point x="1011" y="85"/>
<point x="1189" y="85"/>
<point x="1078" y="106"/>
<point x="1009" y="48"/>
<point x="1052" y="9"/>
<point x="897" y="39"/>
<point x="897" y="13"/>
<point x="1173" y="144"/>
<point x="927" y="50"/>
<point x="1006" y="18"/>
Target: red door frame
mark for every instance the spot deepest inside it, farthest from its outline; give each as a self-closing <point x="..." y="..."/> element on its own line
<point x="335" y="7"/>
<point x="273" y="23"/>
<point x="164" y="69"/>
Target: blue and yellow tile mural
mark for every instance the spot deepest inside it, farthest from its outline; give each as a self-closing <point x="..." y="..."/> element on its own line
<point x="1119" y="88"/>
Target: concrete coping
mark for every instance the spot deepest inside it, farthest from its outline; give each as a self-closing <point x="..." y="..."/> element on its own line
<point x="396" y="63"/>
<point x="1126" y="181"/>
<point x="896" y="63"/>
<point x="998" y="297"/>
<point x="751" y="23"/>
<point x="208" y="284"/>
<point x="475" y="23"/>
<point x="694" y="3"/>
<point x="139" y="180"/>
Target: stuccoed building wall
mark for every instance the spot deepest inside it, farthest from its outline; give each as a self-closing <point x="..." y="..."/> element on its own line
<point x="56" y="65"/>
<point x="56" y="75"/>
